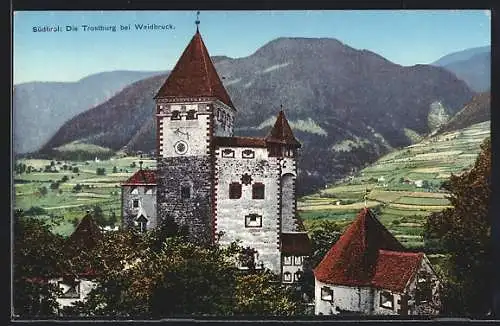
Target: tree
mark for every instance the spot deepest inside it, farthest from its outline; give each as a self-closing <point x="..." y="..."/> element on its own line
<point x="75" y="169"/>
<point x="78" y="187"/>
<point x="464" y="231"/>
<point x="115" y="170"/>
<point x="99" y="216"/>
<point x="37" y="257"/>
<point x="100" y="171"/>
<point x="43" y="191"/>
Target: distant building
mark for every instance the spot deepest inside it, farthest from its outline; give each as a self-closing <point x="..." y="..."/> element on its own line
<point x="418" y="183"/>
<point x="367" y="271"/>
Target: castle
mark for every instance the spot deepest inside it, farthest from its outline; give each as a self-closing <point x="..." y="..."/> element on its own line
<point x="212" y="182"/>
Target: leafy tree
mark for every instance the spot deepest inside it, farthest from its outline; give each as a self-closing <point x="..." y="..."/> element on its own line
<point x="64" y="178"/>
<point x="133" y="165"/>
<point x="78" y="187"/>
<point x="323" y="236"/>
<point x="100" y="171"/>
<point x="75" y="169"/>
<point x="115" y="169"/>
<point x="54" y="185"/>
<point x="98" y="215"/>
<point x="37" y="257"/>
<point x="464" y="231"/>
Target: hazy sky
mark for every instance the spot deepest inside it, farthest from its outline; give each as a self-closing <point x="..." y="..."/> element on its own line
<point x="403" y="37"/>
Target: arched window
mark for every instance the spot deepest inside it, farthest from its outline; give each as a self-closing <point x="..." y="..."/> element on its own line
<point x="297" y="276"/>
<point x="142" y="221"/>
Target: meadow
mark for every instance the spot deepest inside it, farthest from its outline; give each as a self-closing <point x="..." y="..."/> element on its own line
<point x="402" y="187"/>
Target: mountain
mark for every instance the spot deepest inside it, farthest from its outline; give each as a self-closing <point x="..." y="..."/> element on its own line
<point x="346" y="106"/>
<point x="476" y="111"/>
<point x="41" y="108"/>
<point x="472" y="65"/>
<point x="461" y="55"/>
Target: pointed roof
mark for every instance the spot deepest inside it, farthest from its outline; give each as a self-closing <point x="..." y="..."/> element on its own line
<point x="281" y="133"/>
<point x="141" y="177"/>
<point x="86" y="235"/>
<point x="353" y="258"/>
<point x="194" y="75"/>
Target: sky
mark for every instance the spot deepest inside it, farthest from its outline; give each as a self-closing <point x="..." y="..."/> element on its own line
<point x="405" y="37"/>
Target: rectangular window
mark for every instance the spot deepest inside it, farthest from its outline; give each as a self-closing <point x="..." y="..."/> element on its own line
<point x="297" y="276"/>
<point x="247" y="153"/>
<point x="287" y="277"/>
<point x="185" y="192"/>
<point x="287" y="260"/>
<point x="135" y="203"/>
<point x="423" y="293"/>
<point x="258" y="190"/>
<point x="297" y="261"/>
<point x="235" y="190"/>
<point x="191" y="115"/>
<point x="176" y="115"/>
<point x="326" y="294"/>
<point x="253" y="220"/>
<point x="386" y="300"/>
<point x="228" y="153"/>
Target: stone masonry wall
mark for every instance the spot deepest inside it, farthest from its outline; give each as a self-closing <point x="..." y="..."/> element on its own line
<point x="231" y="213"/>
<point x="195" y="212"/>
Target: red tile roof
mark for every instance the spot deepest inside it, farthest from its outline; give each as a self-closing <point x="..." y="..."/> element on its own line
<point x="295" y="244"/>
<point x="281" y="133"/>
<point x="239" y="142"/>
<point x="353" y="259"/>
<point x="194" y="75"/>
<point x="141" y="177"/>
<point x="394" y="269"/>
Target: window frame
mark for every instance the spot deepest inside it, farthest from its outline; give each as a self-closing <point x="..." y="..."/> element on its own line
<point x="387" y="294"/>
<point x="251" y="154"/>
<point x="231" y="189"/>
<point x="296" y="277"/>
<point x="285" y="262"/>
<point x="256" y="188"/>
<point x="227" y="153"/>
<point x="134" y="191"/>
<point x="326" y="292"/>
<point x="287" y="279"/>
<point x="134" y="201"/>
<point x="258" y="220"/>
<point x="299" y="258"/>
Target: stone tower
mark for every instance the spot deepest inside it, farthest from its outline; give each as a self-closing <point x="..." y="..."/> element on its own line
<point x="192" y="107"/>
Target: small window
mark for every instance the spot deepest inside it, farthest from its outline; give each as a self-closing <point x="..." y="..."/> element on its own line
<point x="326" y="294"/>
<point x="149" y="190"/>
<point x="247" y="153"/>
<point x="253" y="220"/>
<point x="235" y="190"/>
<point x="142" y="221"/>
<point x="135" y="203"/>
<point x="185" y="192"/>
<point x="70" y="290"/>
<point x="297" y="276"/>
<point x="386" y="300"/>
<point x="135" y="191"/>
<point x="297" y="261"/>
<point x="219" y="114"/>
<point x="228" y="153"/>
<point x="423" y="293"/>
<point x="176" y="115"/>
<point x="183" y="108"/>
<point x="287" y="260"/>
<point x="258" y="190"/>
<point x="287" y="277"/>
<point x="191" y="115"/>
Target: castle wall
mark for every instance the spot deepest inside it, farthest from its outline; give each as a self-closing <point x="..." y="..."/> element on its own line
<point x="231" y="214"/>
<point x="146" y="195"/>
<point x="173" y="174"/>
<point x="223" y="117"/>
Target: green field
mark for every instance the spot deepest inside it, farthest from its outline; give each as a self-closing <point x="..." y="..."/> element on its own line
<point x="64" y="201"/>
<point x="403" y="185"/>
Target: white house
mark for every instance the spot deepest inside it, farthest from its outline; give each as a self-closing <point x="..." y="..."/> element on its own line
<point x="367" y="271"/>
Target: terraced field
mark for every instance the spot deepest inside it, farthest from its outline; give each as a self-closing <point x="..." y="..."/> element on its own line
<point x="64" y="201"/>
<point x="403" y="186"/>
